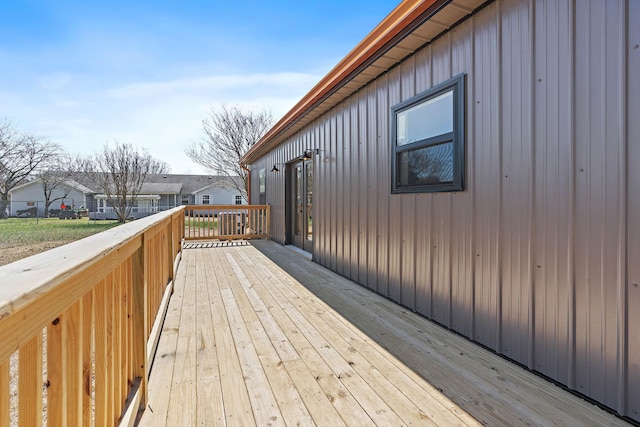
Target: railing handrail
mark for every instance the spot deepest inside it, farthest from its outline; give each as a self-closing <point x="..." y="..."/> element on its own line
<point x="235" y="207"/>
<point x="39" y="273"/>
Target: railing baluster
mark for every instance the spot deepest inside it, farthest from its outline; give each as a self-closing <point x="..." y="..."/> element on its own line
<point x="108" y="298"/>
<point x="139" y="338"/>
<point x="118" y="386"/>
<point x="87" y="347"/>
<point x="99" y="309"/>
<point x="30" y="382"/>
<point x="124" y="302"/>
<point x="226" y="222"/>
<point x="72" y="338"/>
<point x="5" y="400"/>
<point x="56" y="384"/>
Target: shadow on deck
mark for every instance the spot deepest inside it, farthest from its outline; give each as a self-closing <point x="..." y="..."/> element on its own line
<point x="256" y="334"/>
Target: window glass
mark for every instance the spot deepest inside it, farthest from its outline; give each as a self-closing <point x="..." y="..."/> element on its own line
<point x="263" y="180"/>
<point x="427" y="165"/>
<point x="205" y="199"/>
<point x="428" y="119"/>
<point x="262" y="191"/>
<point x="309" y="182"/>
<point x="297" y="185"/>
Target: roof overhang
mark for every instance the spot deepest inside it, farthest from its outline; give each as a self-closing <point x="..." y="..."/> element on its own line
<point x="130" y="196"/>
<point x="410" y="26"/>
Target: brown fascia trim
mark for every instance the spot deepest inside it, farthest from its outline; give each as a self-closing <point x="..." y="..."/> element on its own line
<point x="399" y="23"/>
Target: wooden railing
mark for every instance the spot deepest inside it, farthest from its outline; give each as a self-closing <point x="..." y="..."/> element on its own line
<point x="227" y="222"/>
<point x="79" y="324"/>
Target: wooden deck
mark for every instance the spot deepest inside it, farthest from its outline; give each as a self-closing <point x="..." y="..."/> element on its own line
<point x="256" y="334"/>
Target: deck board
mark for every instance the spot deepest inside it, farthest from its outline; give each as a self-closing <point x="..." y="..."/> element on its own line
<point x="235" y="398"/>
<point x="210" y="405"/>
<point x="259" y="335"/>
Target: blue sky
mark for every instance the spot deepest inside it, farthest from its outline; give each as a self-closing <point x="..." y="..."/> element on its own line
<point x="83" y="73"/>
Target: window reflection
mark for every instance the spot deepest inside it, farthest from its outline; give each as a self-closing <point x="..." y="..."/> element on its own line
<point x="426" y="120"/>
<point x="428" y="165"/>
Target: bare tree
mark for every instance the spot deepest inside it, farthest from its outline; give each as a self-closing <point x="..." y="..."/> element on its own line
<point x="120" y="172"/>
<point x="229" y="133"/>
<point x="20" y="156"/>
<point x="59" y="173"/>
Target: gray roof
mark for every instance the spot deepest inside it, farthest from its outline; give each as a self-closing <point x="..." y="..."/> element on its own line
<point x="190" y="183"/>
<point x="69" y="183"/>
<point x="169" y="183"/>
<point x="160" y="188"/>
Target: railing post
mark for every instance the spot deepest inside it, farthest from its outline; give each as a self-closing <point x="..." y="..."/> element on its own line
<point x="139" y="339"/>
<point x="268" y="225"/>
<point x="169" y="248"/>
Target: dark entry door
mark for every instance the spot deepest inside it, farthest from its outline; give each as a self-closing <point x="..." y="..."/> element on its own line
<point x="301" y="205"/>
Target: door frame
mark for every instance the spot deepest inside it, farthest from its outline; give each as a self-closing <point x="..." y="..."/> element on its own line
<point x="300" y="241"/>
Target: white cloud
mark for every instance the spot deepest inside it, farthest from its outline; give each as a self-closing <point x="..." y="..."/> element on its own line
<point x="229" y="82"/>
<point x="162" y="117"/>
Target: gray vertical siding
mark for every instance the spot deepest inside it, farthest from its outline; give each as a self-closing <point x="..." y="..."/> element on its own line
<point x="381" y="124"/>
<point x="539" y="257"/>
<point x="516" y="127"/>
<point x="552" y="181"/>
<point x="373" y="189"/>
<point x="630" y="295"/>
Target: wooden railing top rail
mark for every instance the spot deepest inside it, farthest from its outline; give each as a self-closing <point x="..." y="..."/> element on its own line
<point x="218" y="207"/>
<point x="25" y="281"/>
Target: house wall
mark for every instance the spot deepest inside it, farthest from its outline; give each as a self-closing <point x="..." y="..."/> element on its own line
<point x="538" y="257"/>
<point x="218" y="196"/>
<point x="190" y="196"/>
<point x="21" y="197"/>
<point x="168" y="201"/>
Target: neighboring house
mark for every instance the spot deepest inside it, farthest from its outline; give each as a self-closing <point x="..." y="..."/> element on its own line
<point x="474" y="161"/>
<point x="28" y="196"/>
<point x="192" y="187"/>
<point x="165" y="191"/>
<point x="159" y="192"/>
<point x="215" y="195"/>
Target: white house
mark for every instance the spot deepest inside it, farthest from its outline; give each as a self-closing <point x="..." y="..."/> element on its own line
<point x="178" y="190"/>
<point x="26" y="197"/>
<point x="216" y="194"/>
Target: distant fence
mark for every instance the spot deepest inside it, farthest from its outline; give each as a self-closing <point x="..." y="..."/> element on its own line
<point x="37" y="209"/>
<point x="227" y="222"/>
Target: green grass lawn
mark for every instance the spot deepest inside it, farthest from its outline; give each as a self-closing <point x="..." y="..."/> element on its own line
<point x="201" y="223"/>
<point x="16" y="232"/>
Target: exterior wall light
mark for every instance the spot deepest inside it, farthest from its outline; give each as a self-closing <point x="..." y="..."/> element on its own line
<point x="308" y="153"/>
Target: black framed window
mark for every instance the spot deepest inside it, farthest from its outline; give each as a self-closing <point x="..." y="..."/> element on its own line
<point x="427" y="134"/>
